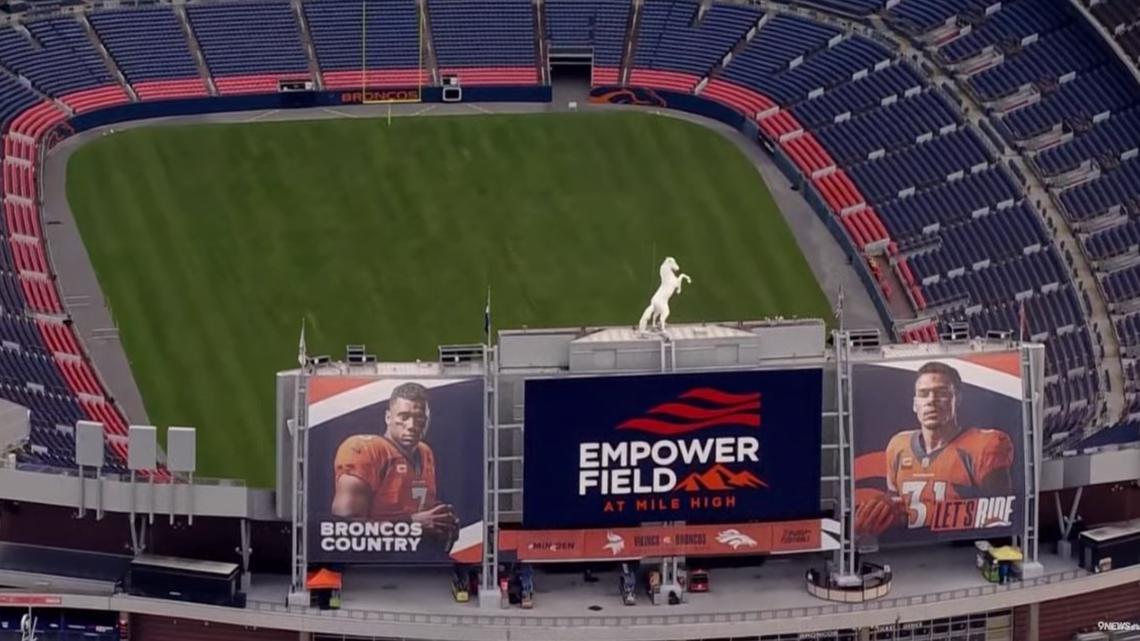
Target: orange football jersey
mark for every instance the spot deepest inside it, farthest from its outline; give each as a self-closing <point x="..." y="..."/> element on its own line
<point x="950" y="473"/>
<point x="402" y="483"/>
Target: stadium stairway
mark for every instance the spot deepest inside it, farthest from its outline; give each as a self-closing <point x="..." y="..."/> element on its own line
<point x="151" y="50"/>
<point x="1114" y="22"/>
<point x="429" y="61"/>
<point x="740" y="46"/>
<point x="195" y="48"/>
<point x="628" y="48"/>
<point x="20" y="81"/>
<point x="113" y="68"/>
<point x="541" y="46"/>
<point x="307" y="39"/>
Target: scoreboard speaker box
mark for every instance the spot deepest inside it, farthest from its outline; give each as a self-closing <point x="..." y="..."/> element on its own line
<point x="181" y="449"/>
<point x="142" y="448"/>
<point x="89" y="443"/>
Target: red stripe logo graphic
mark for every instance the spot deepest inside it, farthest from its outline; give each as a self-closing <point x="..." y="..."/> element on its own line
<point x="698" y="409"/>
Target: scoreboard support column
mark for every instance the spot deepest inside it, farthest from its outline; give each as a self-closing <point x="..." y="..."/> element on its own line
<point x="489" y="588"/>
<point x="844" y="561"/>
<point x="246" y="579"/>
<point x="1032" y="380"/>
<point x="298" y="593"/>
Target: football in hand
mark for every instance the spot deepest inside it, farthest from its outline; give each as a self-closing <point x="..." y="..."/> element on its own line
<point x="876" y="512"/>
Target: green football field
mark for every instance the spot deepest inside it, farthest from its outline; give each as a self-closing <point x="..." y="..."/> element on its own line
<point x="212" y="242"/>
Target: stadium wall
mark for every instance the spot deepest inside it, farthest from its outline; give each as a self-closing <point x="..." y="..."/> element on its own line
<point x="146" y="627"/>
<point x="287" y="100"/>
<point x="1061" y="619"/>
<point x="1096" y="590"/>
<point x="1055" y="620"/>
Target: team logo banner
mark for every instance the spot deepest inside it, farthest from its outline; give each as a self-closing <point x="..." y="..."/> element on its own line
<point x="395" y="470"/>
<point x="632" y="543"/>
<point x="939" y="448"/>
<point x="714" y="447"/>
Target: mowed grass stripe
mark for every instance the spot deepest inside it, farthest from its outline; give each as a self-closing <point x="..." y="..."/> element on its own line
<point x="212" y="242"/>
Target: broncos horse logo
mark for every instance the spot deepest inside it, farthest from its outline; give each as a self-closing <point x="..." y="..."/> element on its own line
<point x="735" y="539"/>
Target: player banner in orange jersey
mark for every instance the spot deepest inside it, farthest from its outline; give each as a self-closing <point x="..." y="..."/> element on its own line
<point x="939" y="448"/>
<point x="395" y="469"/>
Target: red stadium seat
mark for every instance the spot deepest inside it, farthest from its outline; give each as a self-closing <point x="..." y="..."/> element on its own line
<point x="659" y="79"/>
<point x="254" y="83"/>
<point x="740" y="98"/>
<point x="168" y="89"/>
<point x="604" y="76"/>
<point x="493" y="75"/>
<point x="98" y="98"/>
<point x="376" y="79"/>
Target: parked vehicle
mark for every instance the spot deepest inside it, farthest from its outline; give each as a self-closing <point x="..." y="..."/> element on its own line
<point x="698" y="581"/>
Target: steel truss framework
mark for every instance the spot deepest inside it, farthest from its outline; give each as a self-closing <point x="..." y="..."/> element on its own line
<point x="836" y="472"/>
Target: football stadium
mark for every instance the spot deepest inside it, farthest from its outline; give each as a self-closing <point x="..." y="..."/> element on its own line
<point x="570" y="319"/>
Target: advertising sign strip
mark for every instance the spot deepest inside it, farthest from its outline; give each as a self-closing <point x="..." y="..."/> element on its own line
<point x="704" y="448"/>
<point x="357" y="96"/>
<point x="939" y="448"/>
<point x="395" y="470"/>
<point x="29" y="599"/>
<point x="811" y="535"/>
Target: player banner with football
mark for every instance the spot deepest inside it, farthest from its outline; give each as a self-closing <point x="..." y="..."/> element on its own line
<point x="700" y="448"/>
<point x="939" y="448"/>
<point x="395" y="470"/>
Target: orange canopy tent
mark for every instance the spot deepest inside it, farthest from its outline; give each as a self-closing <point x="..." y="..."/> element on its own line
<point x="323" y="579"/>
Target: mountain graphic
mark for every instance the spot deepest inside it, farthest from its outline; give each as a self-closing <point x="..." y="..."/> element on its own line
<point x="719" y="477"/>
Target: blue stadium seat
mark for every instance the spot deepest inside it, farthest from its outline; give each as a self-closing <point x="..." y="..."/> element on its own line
<point x="1012" y="22"/>
<point x="147" y="44"/>
<point x="390" y="35"/>
<point x="595" y="25"/>
<point x="249" y="39"/>
<point x="781" y="41"/>
<point x="855" y="97"/>
<point x="670" y="37"/>
<point x="483" y="34"/>
<point x="57" y="57"/>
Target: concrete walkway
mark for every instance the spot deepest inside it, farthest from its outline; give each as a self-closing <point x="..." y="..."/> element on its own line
<point x="94" y="321"/>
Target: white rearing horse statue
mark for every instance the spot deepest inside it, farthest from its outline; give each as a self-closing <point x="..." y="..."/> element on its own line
<point x="658" y="310"/>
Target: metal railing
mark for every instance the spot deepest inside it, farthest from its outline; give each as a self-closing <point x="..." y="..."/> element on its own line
<point x="73" y="472"/>
<point x="669" y="619"/>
